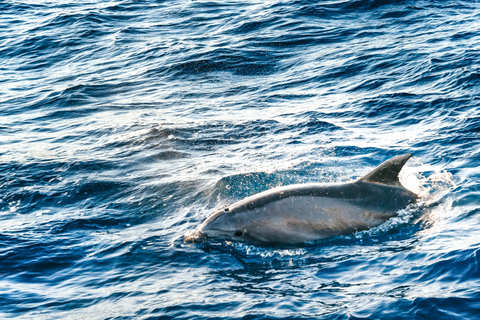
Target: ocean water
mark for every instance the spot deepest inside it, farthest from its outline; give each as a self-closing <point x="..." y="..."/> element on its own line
<point x="124" y="124"/>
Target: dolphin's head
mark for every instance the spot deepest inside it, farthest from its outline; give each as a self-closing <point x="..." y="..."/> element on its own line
<point x="226" y="223"/>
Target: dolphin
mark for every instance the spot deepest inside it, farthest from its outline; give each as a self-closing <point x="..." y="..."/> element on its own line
<point x="304" y="212"/>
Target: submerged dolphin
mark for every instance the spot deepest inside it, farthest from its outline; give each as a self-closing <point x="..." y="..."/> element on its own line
<point x="299" y="213"/>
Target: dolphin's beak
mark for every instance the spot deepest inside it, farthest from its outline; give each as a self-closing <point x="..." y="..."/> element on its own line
<point x="193" y="236"/>
<point x="205" y="229"/>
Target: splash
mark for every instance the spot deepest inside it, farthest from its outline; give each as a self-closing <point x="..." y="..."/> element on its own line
<point x="430" y="184"/>
<point x="193" y="236"/>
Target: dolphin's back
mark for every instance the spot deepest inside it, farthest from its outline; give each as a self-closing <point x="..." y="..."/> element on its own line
<point x="380" y="185"/>
<point x="365" y="193"/>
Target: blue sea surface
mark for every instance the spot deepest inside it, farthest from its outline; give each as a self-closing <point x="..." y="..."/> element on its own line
<point x="124" y="124"/>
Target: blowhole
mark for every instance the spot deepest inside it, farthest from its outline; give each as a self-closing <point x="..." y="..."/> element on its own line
<point x="226" y="209"/>
<point x="238" y="233"/>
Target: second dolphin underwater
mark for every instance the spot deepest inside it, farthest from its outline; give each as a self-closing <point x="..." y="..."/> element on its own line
<point x="298" y="213"/>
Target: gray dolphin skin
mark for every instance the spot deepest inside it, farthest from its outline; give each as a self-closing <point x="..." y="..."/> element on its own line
<point x="304" y="212"/>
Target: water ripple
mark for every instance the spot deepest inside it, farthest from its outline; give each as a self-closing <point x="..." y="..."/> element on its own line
<point x="123" y="124"/>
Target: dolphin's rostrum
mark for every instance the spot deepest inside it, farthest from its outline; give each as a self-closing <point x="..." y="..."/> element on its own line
<point x="299" y="213"/>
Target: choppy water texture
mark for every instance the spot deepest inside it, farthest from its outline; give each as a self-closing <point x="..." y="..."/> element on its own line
<point x="123" y="124"/>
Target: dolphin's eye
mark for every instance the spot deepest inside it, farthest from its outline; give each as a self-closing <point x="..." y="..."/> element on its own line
<point x="238" y="233"/>
<point x="226" y="209"/>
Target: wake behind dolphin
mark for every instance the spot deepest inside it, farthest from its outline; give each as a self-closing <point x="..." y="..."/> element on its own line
<point x="299" y="213"/>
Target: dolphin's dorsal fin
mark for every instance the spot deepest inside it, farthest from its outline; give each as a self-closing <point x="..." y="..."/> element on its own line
<point x="387" y="172"/>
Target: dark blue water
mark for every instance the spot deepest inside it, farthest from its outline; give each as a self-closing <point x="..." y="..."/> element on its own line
<point x="123" y="124"/>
